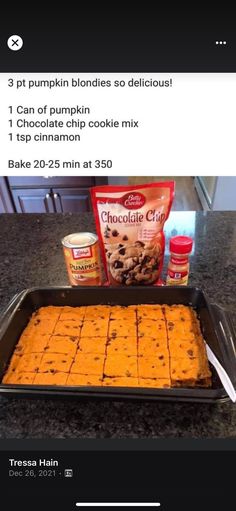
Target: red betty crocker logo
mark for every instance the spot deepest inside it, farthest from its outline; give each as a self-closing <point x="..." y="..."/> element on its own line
<point x="134" y="200"/>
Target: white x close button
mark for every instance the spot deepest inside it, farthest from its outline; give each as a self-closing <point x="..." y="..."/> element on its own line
<point x="15" y="42"/>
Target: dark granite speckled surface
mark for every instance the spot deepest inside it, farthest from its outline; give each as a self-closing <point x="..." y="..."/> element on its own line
<point x="31" y="255"/>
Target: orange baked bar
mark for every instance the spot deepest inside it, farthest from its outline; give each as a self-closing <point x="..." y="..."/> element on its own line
<point x="147" y="345"/>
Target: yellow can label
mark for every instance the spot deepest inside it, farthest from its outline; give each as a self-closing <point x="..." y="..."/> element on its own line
<point x="83" y="265"/>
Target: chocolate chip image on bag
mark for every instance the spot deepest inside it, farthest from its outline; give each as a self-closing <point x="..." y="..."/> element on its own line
<point x="130" y="222"/>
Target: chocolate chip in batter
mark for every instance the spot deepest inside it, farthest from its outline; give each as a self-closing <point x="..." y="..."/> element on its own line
<point x="115" y="233"/>
<point x="146" y="260"/>
<point x="18" y="348"/>
<point x="125" y="238"/>
<point x="125" y="276"/>
<point x="139" y="244"/>
<point x="118" y="264"/>
<point x="122" y="251"/>
<point x="107" y="232"/>
<point x="147" y="271"/>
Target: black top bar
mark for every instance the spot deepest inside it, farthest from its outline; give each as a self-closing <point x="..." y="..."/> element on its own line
<point x="119" y="41"/>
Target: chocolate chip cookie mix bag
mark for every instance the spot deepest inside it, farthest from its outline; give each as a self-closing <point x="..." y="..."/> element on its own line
<point x="130" y="222"/>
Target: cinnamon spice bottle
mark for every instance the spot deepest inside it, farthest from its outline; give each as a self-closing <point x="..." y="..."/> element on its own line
<point x="178" y="267"/>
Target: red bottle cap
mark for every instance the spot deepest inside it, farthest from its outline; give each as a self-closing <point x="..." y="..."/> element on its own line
<point x="181" y="244"/>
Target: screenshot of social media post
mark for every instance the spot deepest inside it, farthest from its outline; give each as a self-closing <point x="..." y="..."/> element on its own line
<point x="117" y="263"/>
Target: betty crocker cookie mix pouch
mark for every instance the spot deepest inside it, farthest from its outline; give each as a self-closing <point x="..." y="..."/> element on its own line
<point x="129" y="222"/>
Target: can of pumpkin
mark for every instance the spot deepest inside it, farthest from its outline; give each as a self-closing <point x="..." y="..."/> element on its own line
<point x="81" y="252"/>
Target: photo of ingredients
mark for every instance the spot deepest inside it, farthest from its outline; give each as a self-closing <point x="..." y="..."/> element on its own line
<point x="116" y="295"/>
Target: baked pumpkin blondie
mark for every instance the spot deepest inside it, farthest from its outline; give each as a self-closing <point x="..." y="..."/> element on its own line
<point x="147" y="345"/>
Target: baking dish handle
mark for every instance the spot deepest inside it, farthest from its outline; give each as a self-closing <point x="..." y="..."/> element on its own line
<point x="226" y="333"/>
<point x="9" y="309"/>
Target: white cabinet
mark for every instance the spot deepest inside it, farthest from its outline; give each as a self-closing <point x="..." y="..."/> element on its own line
<point x="217" y="193"/>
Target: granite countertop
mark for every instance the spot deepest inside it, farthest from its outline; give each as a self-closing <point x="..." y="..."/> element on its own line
<point x="31" y="255"/>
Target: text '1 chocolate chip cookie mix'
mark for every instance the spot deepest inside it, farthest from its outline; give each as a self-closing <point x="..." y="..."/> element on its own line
<point x="130" y="221"/>
<point x="156" y="346"/>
